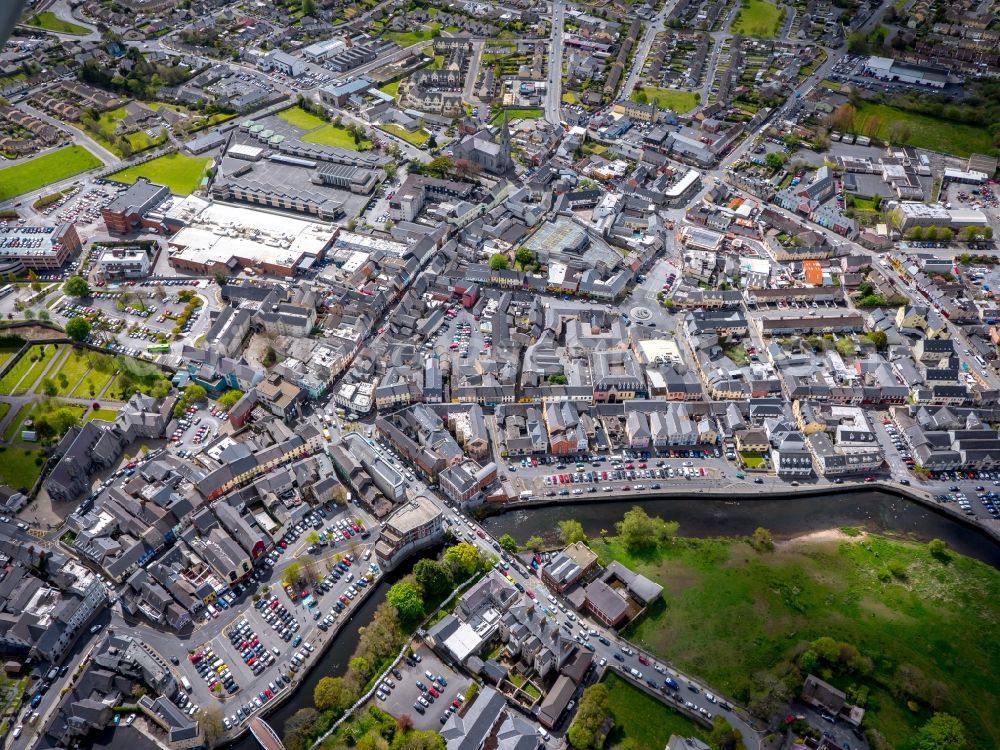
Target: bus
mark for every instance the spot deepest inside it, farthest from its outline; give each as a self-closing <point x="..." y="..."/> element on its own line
<point x="159" y="349"/>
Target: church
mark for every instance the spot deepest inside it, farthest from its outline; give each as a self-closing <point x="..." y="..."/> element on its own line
<point x="486" y="151"/>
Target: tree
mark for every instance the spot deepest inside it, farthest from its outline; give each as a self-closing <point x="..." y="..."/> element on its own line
<point x="941" y="731"/>
<point x="332" y="693"/>
<point x="723" y="736"/>
<point x="292" y="575"/>
<point x="308" y="7"/>
<point x="534" y="543"/>
<point x="193" y="393"/>
<point x="938" y="548"/>
<point x="571" y="531"/>
<point x="210" y="721"/>
<point x="499" y="262"/>
<point x="299" y="727"/>
<point x="390" y="170"/>
<point x="524" y="257"/>
<point x="843" y="116"/>
<point x="434" y="578"/>
<point x="440" y="166"/>
<point x="11" y="277"/>
<point x="408" y="600"/>
<point x="775" y="160"/>
<point x="228" y="399"/>
<point x="879" y="339"/>
<point x="762" y="539"/>
<point x="76" y="286"/>
<point x="586" y="731"/>
<point x="462" y="559"/>
<point x="33" y="279"/>
<point x="508" y="543"/>
<point x="77" y="328"/>
<point x="313" y="538"/>
<point x="768" y="695"/>
<point x="638" y="530"/>
<point x="846" y="346"/>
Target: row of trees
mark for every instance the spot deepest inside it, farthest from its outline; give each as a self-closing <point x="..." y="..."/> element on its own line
<point x="431" y="581"/>
<point x="592" y="721"/>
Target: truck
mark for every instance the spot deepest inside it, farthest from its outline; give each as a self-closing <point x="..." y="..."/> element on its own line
<point x="186" y="683"/>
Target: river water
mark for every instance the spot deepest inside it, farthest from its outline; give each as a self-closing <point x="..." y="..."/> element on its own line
<point x="698" y="517"/>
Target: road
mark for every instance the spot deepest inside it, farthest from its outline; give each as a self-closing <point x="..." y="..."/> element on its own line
<point x="553" y="92"/>
<point x="654" y="27"/>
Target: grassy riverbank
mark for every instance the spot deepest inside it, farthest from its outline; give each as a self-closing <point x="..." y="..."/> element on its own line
<point x="741" y="618"/>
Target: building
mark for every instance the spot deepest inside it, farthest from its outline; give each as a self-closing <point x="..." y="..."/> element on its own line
<point x="887" y="69"/>
<point x="488" y="150"/>
<point x="123" y="263"/>
<point x="130" y="209"/>
<point x="413" y="525"/>
<point x="466" y="480"/>
<point x="323" y="50"/>
<point x="37" y="248"/>
<point x="281" y="61"/>
<point x="345" y="177"/>
<point x="913" y="214"/>
<point x="573" y="564"/>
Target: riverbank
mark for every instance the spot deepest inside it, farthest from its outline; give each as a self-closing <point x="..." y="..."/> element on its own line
<point x="742" y="617"/>
<point x="752" y="493"/>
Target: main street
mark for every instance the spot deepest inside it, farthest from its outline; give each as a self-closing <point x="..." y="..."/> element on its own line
<point x="553" y="91"/>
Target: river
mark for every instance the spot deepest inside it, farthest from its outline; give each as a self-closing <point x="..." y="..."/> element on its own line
<point x="873" y="511"/>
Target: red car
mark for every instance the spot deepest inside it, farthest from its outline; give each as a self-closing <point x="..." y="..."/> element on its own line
<point x="433" y="692"/>
<point x="456" y="704"/>
<point x="283" y="544"/>
<point x="355" y="527"/>
<point x="530" y="593"/>
<point x="643" y="659"/>
<point x="344" y="599"/>
<point x="268" y="693"/>
<point x="346" y="561"/>
<point x="345" y="533"/>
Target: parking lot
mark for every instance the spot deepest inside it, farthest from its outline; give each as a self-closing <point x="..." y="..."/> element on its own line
<point x="410" y="687"/>
<point x="560" y="476"/>
<point x="195" y="429"/>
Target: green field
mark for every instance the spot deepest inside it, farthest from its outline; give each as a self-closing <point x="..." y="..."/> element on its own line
<point x="72" y="368"/>
<point x="757" y="18"/>
<point x="4" y="408"/>
<point x="731" y="613"/>
<point x="331" y="135"/>
<point x="641" y="720"/>
<point x="182" y="174"/>
<point x="27" y="370"/>
<point x="94" y="378"/>
<point x="44" y="170"/>
<point x="409" y="38"/>
<point x="18" y="469"/>
<point x="924" y="131"/>
<point x="50" y="22"/>
<point x="417" y="138"/>
<point x="108" y="415"/>
<point x="299" y="118"/>
<point x="6" y="354"/>
<point x="526" y="113"/>
<point x="12" y="433"/>
<point x="391" y="89"/>
<point x="678" y="101"/>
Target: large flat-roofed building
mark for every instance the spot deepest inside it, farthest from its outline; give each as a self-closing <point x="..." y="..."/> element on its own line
<point x="128" y="211"/>
<point x="226" y="238"/>
<point x="415" y="524"/>
<point x="887" y="69"/>
<point x="344" y="177"/>
<point x="281" y="61"/>
<point x="325" y="49"/>
<point x="913" y="214"/>
<point x="123" y="263"/>
<point x="23" y="247"/>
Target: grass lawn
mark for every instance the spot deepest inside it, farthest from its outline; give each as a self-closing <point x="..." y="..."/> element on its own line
<point x="738" y="354"/>
<point x="4" y="408"/>
<point x="44" y="170"/>
<point x="299" y="118"/>
<point x="409" y="38"/>
<point x="73" y="367"/>
<point x="925" y="132"/>
<point x="757" y="18"/>
<point x="417" y="138"/>
<point x="94" y="378"/>
<point x="18" y="469"/>
<point x="108" y="415"/>
<point x="13" y="432"/>
<point x="50" y="22"/>
<point x="526" y="113"/>
<point x="678" y="101"/>
<point x="25" y="367"/>
<point x="730" y="612"/>
<point x="828" y="84"/>
<point x="752" y="460"/>
<point x="331" y="135"/>
<point x="569" y="97"/>
<point x="180" y="173"/>
<point x="6" y="354"/>
<point x="643" y="719"/>
<point x="391" y="89"/>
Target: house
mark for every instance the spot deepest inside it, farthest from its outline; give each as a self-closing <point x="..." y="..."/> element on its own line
<point x="574" y="563"/>
<point x="825" y="697"/>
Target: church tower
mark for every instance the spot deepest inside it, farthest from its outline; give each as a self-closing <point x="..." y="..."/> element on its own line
<point x="505" y="149"/>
